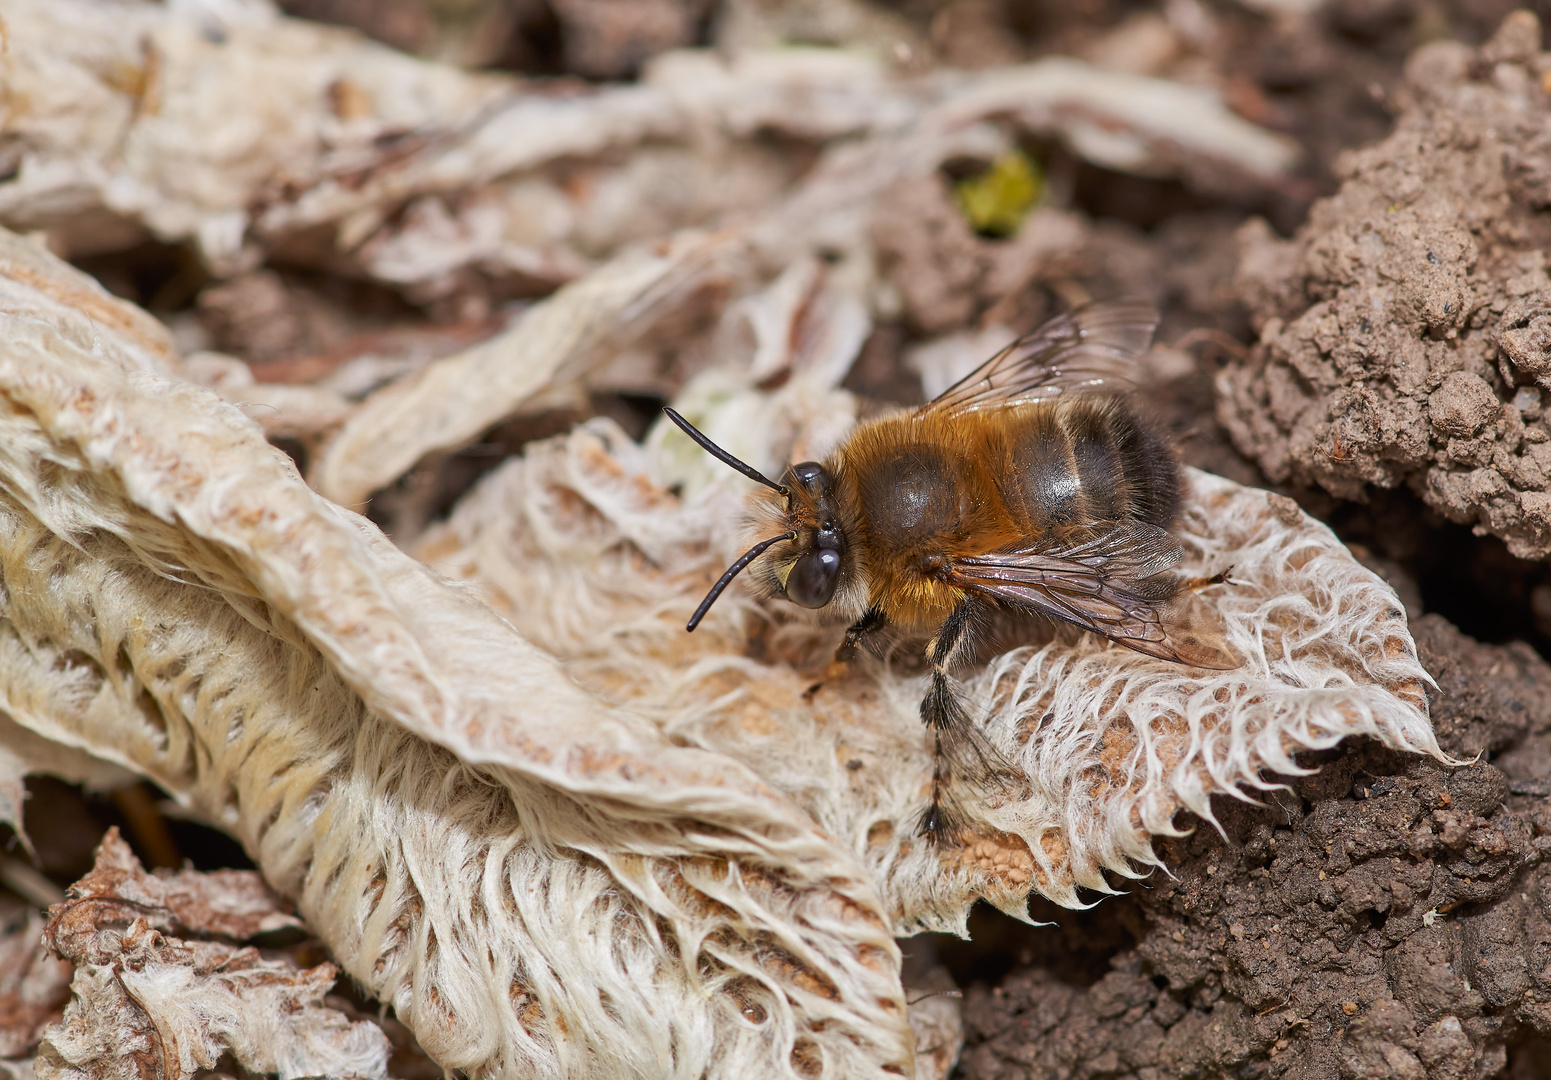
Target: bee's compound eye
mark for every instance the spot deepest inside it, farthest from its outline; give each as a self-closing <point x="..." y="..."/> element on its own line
<point x="808" y="473"/>
<point x="812" y="580"/>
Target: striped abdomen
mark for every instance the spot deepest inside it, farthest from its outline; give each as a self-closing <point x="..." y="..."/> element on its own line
<point x="1085" y="461"/>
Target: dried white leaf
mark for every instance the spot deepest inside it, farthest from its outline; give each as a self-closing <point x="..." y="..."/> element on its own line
<point x="537" y="880"/>
<point x="176" y="120"/>
<point x="448" y="403"/>
<point x="1127" y="122"/>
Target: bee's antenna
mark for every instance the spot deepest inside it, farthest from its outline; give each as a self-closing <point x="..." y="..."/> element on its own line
<point x="727" y="459"/>
<point x="736" y="568"/>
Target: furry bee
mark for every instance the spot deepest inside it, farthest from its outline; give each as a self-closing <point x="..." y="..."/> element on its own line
<point x="1031" y="485"/>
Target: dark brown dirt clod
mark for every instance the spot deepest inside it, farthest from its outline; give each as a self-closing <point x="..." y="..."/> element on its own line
<point x="1383" y="918"/>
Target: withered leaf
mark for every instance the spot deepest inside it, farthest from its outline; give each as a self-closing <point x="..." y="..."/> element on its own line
<point x="146" y="1004"/>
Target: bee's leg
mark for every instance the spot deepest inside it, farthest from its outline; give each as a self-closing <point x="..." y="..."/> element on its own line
<point x="1196" y="584"/>
<point x="846" y="652"/>
<point x="949" y="722"/>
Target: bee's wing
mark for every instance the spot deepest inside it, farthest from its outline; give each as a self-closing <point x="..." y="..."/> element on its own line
<point x="1092" y="348"/>
<point x="1098" y="582"/>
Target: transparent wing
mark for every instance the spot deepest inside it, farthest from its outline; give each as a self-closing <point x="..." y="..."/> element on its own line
<point x="1092" y="348"/>
<point x="1099" y="583"/>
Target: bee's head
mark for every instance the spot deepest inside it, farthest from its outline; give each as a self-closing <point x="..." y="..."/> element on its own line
<point x="808" y="566"/>
<point x="808" y="570"/>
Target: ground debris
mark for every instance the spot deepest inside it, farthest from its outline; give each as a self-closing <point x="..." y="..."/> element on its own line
<point x="564" y="839"/>
<point x="437" y="180"/>
<point x="148" y="1004"/>
<point x="404" y="694"/>
<point x="34" y="985"/>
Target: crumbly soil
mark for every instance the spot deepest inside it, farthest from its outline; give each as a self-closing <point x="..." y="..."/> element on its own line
<point x="1403" y="330"/>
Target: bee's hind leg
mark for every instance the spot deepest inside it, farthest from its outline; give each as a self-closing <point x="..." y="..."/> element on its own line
<point x="1196" y="584"/>
<point x="956" y="744"/>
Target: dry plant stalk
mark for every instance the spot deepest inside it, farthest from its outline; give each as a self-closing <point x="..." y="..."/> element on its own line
<point x="572" y="841"/>
<point x="450" y="402"/>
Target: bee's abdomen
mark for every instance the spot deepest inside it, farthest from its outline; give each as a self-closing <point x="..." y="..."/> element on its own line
<point x="1086" y="462"/>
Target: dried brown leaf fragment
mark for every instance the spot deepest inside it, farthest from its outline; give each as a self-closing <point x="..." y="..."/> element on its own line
<point x="148" y="1004"/>
<point x="233" y="904"/>
<point x="34" y="985"/>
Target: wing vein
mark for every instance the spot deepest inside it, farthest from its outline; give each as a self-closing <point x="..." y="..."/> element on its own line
<point x="1092" y="348"/>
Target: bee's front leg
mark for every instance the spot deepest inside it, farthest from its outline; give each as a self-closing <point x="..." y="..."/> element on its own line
<point x="846" y="652"/>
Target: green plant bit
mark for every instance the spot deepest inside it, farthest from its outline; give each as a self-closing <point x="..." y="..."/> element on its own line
<point x="996" y="201"/>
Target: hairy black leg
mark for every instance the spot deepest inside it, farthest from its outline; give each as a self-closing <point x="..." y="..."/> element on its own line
<point x="945" y="717"/>
<point x="871" y="621"/>
<point x="956" y="745"/>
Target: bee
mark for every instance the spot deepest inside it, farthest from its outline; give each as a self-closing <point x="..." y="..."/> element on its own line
<point x="1032" y="485"/>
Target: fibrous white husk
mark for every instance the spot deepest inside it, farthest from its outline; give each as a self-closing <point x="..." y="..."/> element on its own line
<point x="557" y="834"/>
<point x="148" y="1003"/>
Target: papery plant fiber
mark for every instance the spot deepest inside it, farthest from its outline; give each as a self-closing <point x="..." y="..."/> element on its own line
<point x="541" y="884"/>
